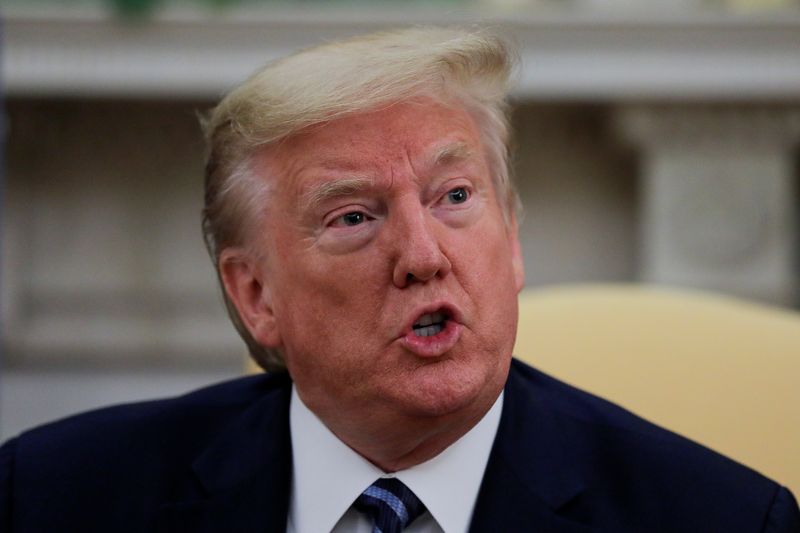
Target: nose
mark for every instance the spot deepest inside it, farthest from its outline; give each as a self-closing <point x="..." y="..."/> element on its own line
<point x="419" y="254"/>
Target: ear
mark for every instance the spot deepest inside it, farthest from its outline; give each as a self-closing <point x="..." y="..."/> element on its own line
<point x="245" y="286"/>
<point x="517" y="262"/>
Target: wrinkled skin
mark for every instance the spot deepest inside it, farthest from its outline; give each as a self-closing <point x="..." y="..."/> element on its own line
<point x="344" y="271"/>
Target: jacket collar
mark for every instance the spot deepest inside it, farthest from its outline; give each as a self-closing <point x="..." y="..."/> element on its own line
<point x="534" y="470"/>
<point x="242" y="479"/>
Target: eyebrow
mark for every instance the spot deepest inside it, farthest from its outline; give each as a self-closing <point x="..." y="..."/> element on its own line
<point x="451" y="153"/>
<point x="334" y="189"/>
<point x="446" y="155"/>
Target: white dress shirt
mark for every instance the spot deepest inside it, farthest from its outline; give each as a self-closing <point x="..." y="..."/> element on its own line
<point x="328" y="476"/>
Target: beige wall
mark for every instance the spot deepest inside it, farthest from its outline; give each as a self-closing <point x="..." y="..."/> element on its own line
<point x="579" y="190"/>
<point x="103" y="255"/>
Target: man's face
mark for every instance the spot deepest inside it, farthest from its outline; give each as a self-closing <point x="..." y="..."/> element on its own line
<point x="387" y="266"/>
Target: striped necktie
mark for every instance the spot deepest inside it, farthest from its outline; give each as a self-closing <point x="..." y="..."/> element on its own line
<point x="390" y="504"/>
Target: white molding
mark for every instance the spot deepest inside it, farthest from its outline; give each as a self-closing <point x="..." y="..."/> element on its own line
<point x="589" y="55"/>
<point x="718" y="197"/>
<point x="707" y="128"/>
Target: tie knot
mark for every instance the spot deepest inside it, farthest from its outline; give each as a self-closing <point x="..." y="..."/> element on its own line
<point x="390" y="504"/>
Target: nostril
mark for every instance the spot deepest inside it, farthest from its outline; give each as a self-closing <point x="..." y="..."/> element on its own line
<point x="409" y="277"/>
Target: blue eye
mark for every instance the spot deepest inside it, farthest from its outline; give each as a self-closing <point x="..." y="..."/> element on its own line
<point x="458" y="195"/>
<point x="352" y="219"/>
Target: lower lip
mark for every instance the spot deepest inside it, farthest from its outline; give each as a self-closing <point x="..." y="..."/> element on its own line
<point x="434" y="345"/>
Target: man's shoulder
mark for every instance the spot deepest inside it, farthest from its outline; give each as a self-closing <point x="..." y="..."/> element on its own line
<point x="623" y="460"/>
<point x="146" y="441"/>
<point x="618" y="436"/>
<point x="559" y="398"/>
<point x="205" y="408"/>
<point x="133" y="457"/>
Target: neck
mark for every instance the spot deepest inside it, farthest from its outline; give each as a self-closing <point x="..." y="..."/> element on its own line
<point x="407" y="451"/>
<point x="394" y="443"/>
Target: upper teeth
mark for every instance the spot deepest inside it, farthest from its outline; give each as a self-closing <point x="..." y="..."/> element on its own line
<point x="430" y="318"/>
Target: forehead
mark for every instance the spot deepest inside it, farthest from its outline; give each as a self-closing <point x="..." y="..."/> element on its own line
<point x="422" y="135"/>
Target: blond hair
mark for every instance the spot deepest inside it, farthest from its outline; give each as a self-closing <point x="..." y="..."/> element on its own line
<point x="320" y="84"/>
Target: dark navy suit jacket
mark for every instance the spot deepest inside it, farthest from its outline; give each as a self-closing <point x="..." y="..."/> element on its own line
<point x="219" y="460"/>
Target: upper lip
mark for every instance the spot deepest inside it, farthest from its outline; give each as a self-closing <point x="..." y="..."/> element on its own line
<point x="453" y="313"/>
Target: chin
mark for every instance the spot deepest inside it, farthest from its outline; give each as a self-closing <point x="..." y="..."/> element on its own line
<point x="438" y="392"/>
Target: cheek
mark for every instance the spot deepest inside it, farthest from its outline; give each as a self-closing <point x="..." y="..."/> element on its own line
<point x="331" y="305"/>
<point x="487" y="256"/>
<point x="489" y="277"/>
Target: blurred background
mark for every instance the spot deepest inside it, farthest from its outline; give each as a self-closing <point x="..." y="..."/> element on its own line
<point x="656" y="141"/>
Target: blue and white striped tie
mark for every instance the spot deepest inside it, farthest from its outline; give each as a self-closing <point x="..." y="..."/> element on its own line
<point x="390" y="504"/>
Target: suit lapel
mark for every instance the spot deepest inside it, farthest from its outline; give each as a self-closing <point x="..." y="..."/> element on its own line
<point x="531" y="476"/>
<point x="241" y="481"/>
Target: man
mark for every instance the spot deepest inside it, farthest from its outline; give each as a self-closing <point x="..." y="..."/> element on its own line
<point x="363" y="225"/>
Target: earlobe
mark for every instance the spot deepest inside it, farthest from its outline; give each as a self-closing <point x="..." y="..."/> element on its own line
<point x="245" y="287"/>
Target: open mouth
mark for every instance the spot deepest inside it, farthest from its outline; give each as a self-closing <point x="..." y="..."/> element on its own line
<point x="430" y="324"/>
<point x="436" y="331"/>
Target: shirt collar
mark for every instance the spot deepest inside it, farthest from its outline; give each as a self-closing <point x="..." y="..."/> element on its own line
<point x="328" y="476"/>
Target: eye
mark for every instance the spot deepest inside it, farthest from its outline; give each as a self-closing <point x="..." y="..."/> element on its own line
<point x="354" y="218"/>
<point x="459" y="195"/>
